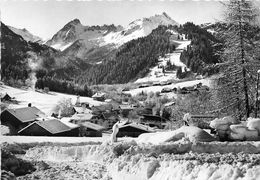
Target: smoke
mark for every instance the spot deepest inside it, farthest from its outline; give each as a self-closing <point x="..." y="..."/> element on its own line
<point x="34" y="64"/>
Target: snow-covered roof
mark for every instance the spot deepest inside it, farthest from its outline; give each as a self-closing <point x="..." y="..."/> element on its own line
<point x="26" y="114"/>
<point x="137" y="126"/>
<point x="52" y="126"/>
<point x="82" y="116"/>
<point x="98" y="94"/>
<point x="93" y="126"/>
<point x="82" y="110"/>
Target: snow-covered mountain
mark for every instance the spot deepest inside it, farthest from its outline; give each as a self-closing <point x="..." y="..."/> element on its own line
<point x="85" y="38"/>
<point x="27" y="36"/>
<point x="136" y="29"/>
<point x="74" y="31"/>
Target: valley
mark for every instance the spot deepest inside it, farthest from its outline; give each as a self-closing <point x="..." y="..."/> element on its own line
<point x="130" y="90"/>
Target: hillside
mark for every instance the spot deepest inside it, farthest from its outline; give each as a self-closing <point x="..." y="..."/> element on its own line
<point x="27" y="36"/>
<point x="25" y="63"/>
<point x="17" y="55"/>
<point x="200" y="56"/>
<point x="88" y="59"/>
<point x="44" y="101"/>
<point x="132" y="60"/>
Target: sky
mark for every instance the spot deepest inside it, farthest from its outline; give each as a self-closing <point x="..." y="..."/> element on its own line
<point x="45" y="18"/>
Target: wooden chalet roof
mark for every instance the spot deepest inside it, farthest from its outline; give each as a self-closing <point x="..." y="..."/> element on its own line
<point x="52" y="126"/>
<point x="26" y="114"/>
<point x="92" y="126"/>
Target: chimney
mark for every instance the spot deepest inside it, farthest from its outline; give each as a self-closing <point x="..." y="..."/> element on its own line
<point x="30" y="105"/>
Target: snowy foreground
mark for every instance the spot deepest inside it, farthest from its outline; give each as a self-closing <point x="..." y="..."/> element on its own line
<point x="169" y="156"/>
<point x="44" y="102"/>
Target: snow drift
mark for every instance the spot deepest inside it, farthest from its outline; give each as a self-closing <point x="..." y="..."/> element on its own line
<point x="175" y="160"/>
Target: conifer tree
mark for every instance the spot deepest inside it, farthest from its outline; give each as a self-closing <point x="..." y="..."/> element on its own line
<point x="236" y="85"/>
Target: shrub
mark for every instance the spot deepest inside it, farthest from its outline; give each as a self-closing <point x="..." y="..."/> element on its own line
<point x="19" y="167"/>
<point x="65" y="106"/>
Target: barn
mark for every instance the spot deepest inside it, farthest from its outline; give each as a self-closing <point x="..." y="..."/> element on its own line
<point x="5" y="97"/>
<point x="89" y="129"/>
<point x="99" y="96"/>
<point x="133" y="130"/>
<point x="16" y="119"/>
<point x="49" y="128"/>
<point x="125" y="109"/>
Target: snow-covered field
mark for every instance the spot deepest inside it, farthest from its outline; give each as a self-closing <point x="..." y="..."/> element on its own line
<point x="44" y="102"/>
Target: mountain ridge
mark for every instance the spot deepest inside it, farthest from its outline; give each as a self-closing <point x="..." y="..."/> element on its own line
<point x="27" y="35"/>
<point x="78" y="40"/>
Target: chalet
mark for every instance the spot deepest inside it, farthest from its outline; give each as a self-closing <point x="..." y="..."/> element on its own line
<point x="49" y="128"/>
<point x="153" y="121"/>
<point x="16" y="119"/>
<point x="81" y="110"/>
<point x="143" y="85"/>
<point x="108" y="100"/>
<point x="68" y="122"/>
<point x="166" y="90"/>
<point x="99" y="96"/>
<point x="89" y="129"/>
<point x="169" y="104"/>
<point x="187" y="90"/>
<point x="105" y="119"/>
<point x="174" y="89"/>
<point x="5" y="97"/>
<point x="80" y="118"/>
<point x="126" y="89"/>
<point x="199" y="77"/>
<point x="156" y="84"/>
<point x="125" y="109"/>
<point x="133" y="130"/>
<point x="98" y="110"/>
<point x="165" y="83"/>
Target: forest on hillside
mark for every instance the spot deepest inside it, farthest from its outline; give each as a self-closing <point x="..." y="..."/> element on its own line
<point x="132" y="60"/>
<point x="201" y="55"/>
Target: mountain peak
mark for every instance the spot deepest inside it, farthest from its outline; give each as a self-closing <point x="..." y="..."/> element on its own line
<point x="75" y="21"/>
<point x="162" y="19"/>
<point x="166" y="15"/>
